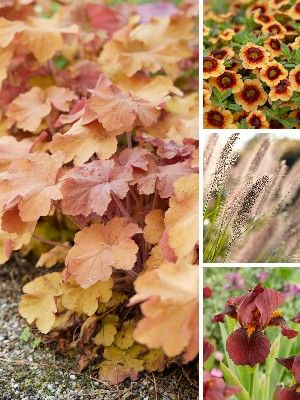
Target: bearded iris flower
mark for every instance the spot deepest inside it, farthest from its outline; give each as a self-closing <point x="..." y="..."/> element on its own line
<point x="254" y="311"/>
<point x="293" y="392"/>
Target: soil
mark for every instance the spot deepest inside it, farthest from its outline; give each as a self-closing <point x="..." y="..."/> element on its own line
<point x="31" y="371"/>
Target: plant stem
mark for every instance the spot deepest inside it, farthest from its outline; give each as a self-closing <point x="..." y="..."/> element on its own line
<point x="51" y="242"/>
<point x="129" y="140"/>
<point x="122" y="208"/>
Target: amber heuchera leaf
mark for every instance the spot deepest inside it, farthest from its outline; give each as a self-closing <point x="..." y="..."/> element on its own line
<point x="159" y="44"/>
<point x="11" y="149"/>
<point x="154" y="227"/>
<point x="38" y="303"/>
<point x="20" y="110"/>
<point x="99" y="248"/>
<point x="116" y="110"/>
<point x="31" y="184"/>
<point x="181" y="219"/>
<point x="170" y="305"/>
<point x="54" y="256"/>
<point x="88" y="188"/>
<point x="80" y="142"/>
<point x="108" y="330"/>
<point x="86" y="300"/>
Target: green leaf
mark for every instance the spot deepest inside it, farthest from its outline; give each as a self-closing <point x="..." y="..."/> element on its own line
<point x="60" y="62"/>
<point x="286" y="50"/>
<point x="25" y="335"/>
<point x="35" y="343"/>
<point x="224" y="336"/>
<point x="231" y="379"/>
<point x="256" y="386"/>
<point x="234" y="107"/>
<point x="243" y="124"/>
<point x="273" y="354"/>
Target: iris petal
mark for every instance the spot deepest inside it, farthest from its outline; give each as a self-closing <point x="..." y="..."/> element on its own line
<point x="247" y="350"/>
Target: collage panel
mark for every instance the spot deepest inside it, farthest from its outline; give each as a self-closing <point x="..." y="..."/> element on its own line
<point x="251" y="70"/>
<point x="251" y="333"/>
<point x="251" y="198"/>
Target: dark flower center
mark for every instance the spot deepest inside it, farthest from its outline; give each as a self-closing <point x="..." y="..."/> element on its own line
<point x="220" y="54"/>
<point x="297" y="77"/>
<point x="226" y="80"/>
<point x="274" y="124"/>
<point x="216" y="119"/>
<point x="289" y="28"/>
<point x="254" y="54"/>
<point x="255" y="121"/>
<point x="275" y="44"/>
<point x="297" y="7"/>
<point x="210" y="64"/>
<point x="274" y="29"/>
<point x="282" y="86"/>
<point x="273" y="73"/>
<point x="264" y="18"/>
<point x="251" y="93"/>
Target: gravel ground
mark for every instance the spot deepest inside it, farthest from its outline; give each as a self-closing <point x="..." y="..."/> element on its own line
<point x="30" y="371"/>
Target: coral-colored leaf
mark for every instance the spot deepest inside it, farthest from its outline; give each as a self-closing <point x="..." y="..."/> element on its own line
<point x="30" y="183"/>
<point x="154" y="227"/>
<point x="170" y="294"/>
<point x="88" y="188"/>
<point x="20" y="110"/>
<point x="53" y="256"/>
<point x="116" y="110"/>
<point x="82" y="141"/>
<point x="161" y="177"/>
<point x="181" y="218"/>
<point x="99" y="248"/>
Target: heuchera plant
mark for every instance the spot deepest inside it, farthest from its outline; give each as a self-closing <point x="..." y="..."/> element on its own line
<point x="99" y="177"/>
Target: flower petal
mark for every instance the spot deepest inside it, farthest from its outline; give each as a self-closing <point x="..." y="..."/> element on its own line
<point x="247" y="350"/>
<point x="288" y="394"/>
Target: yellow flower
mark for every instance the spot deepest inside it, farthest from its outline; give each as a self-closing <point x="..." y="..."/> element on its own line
<point x="212" y="67"/>
<point x="253" y="56"/>
<point x="295" y="78"/>
<point x="282" y="91"/>
<point x="252" y="95"/>
<point x="295" y="115"/>
<point x="262" y="19"/>
<point x="221" y="54"/>
<point x="274" y="29"/>
<point x="207" y="104"/>
<point x="257" y="120"/>
<point x="294" y="12"/>
<point x="218" y="119"/>
<point x="227" y="34"/>
<point x="206" y="30"/>
<point x="262" y="7"/>
<point x="273" y="73"/>
<point x="296" y="44"/>
<point x="228" y="80"/>
<point x="277" y="4"/>
<point x="239" y="116"/>
<point x="273" y="46"/>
